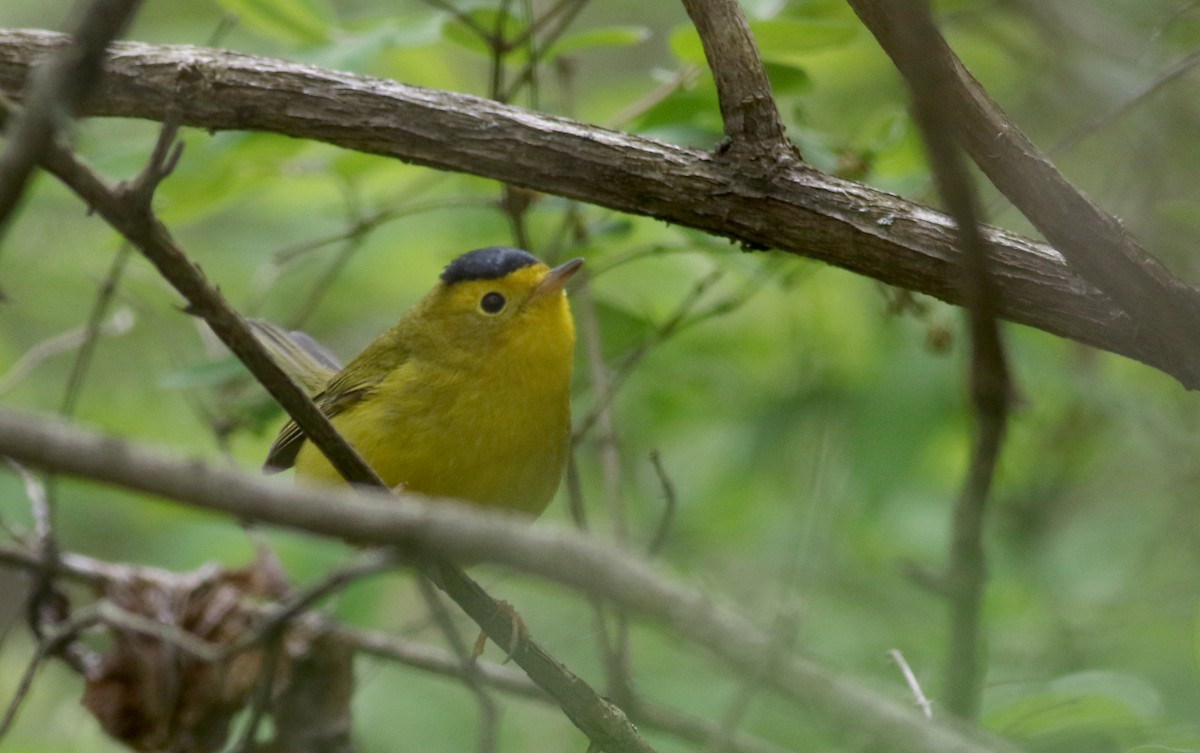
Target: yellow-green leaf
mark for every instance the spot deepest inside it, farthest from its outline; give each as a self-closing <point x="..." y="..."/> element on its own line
<point x="297" y="22"/>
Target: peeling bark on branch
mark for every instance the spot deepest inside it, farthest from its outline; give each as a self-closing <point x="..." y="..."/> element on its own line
<point x="799" y="210"/>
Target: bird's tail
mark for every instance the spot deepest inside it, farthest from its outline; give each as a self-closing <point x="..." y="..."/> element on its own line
<point x="301" y="357"/>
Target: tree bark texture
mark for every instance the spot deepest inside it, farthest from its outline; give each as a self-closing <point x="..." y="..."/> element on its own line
<point x="793" y="208"/>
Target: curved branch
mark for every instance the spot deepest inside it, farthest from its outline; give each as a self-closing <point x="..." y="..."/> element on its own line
<point x="1093" y="241"/>
<point x="460" y="532"/>
<point x="799" y="210"/>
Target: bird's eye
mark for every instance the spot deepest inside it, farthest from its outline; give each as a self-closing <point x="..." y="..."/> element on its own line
<point x="492" y="303"/>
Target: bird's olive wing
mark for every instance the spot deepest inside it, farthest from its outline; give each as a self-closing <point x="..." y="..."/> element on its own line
<point x="335" y="399"/>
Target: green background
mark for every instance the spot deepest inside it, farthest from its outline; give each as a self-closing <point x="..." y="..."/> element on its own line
<point x="814" y="424"/>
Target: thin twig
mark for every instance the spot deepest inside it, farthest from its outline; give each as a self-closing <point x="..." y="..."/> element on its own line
<point x="1165" y="309"/>
<point x="528" y="73"/>
<point x="782" y="639"/>
<point x="120" y="323"/>
<point x="682" y="79"/>
<point x="914" y="685"/>
<point x="631" y="361"/>
<point x="25" y="685"/>
<point x="489" y="711"/>
<point x="616" y="649"/>
<point x="55" y="93"/>
<point x="929" y="81"/>
<point x="463" y="18"/>
<point x="127" y="208"/>
<point x="92" y="330"/>
<point x="248" y="738"/>
<point x="663" y="529"/>
<point x="1100" y="121"/>
<point x="278" y="616"/>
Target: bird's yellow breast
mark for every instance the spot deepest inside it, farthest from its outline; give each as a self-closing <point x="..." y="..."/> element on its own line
<point x="487" y="421"/>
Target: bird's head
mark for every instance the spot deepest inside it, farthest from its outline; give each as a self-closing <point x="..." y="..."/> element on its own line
<point x="501" y="297"/>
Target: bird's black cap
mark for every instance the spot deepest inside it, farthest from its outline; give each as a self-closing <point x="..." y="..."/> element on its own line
<point x="489" y="263"/>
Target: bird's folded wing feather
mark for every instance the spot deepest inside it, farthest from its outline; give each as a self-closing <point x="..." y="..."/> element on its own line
<point x="335" y="399"/>
<point x="353" y="384"/>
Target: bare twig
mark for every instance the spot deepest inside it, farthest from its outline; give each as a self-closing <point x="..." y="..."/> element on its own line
<point x="682" y="78"/>
<point x="528" y="73"/>
<point x="914" y="685"/>
<point x="1100" y="121"/>
<point x="119" y="324"/>
<point x="489" y="711"/>
<point x="280" y="615"/>
<point x="782" y="640"/>
<point x="48" y="646"/>
<point x="248" y="738"/>
<point x="92" y="330"/>
<point x="615" y="646"/>
<point x="929" y="81"/>
<point x="463" y="18"/>
<point x="55" y="93"/>
<point x="126" y="207"/>
<point x="631" y="361"/>
<point x="669" y="505"/>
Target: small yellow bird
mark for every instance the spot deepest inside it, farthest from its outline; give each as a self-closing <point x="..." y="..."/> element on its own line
<point x="468" y="396"/>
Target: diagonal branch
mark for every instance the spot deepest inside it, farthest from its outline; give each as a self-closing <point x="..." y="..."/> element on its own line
<point x="55" y="94"/>
<point x="799" y="210"/>
<point x="458" y="531"/>
<point x="128" y="210"/>
<point x="1094" y="242"/>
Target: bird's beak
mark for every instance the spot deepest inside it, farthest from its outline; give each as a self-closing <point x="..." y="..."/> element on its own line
<point x="556" y="278"/>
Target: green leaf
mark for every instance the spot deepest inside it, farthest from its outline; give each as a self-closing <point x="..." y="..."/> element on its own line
<point x="204" y="374"/>
<point x="787" y="80"/>
<point x="781" y="41"/>
<point x="359" y="46"/>
<point x="1079" y="705"/>
<point x="604" y="36"/>
<point x="463" y="34"/>
<point x="685" y="45"/>
<point x="296" y="22"/>
<point x="790" y="41"/>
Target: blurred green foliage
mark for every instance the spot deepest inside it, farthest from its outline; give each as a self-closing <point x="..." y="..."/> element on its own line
<point x="808" y="419"/>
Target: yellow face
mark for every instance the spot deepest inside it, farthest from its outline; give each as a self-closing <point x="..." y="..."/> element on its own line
<point x="523" y="307"/>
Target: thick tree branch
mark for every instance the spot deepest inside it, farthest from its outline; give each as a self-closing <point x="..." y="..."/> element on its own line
<point x="800" y="210"/>
<point x="1093" y="242"/>
<point x="457" y="531"/>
